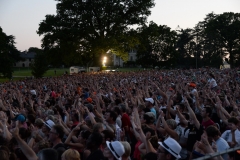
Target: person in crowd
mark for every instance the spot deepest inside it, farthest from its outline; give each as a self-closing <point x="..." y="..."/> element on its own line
<point x="93" y="144"/>
<point x="150" y="105"/>
<point x="114" y="150"/>
<point x="111" y="117"/>
<point x="55" y="137"/>
<point x="107" y="136"/>
<point x="125" y="119"/>
<point x="206" y="114"/>
<point x="214" y="136"/>
<point x="48" y="154"/>
<point x="212" y="82"/>
<point x="79" y="144"/>
<point x="169" y="149"/>
<point x="70" y="154"/>
<point x="232" y="136"/>
<point x="127" y="149"/>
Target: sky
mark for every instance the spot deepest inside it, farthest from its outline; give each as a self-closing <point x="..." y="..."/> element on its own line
<point x="21" y="18"/>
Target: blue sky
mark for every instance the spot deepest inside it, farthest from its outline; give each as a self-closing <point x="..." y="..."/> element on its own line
<point x="21" y="18"/>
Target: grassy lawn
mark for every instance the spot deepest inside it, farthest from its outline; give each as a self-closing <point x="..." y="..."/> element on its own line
<point x="21" y="73"/>
<point x="26" y="72"/>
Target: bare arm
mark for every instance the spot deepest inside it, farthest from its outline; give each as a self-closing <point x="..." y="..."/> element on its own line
<point x="197" y="101"/>
<point x="145" y="139"/>
<point x="160" y="91"/>
<point x="90" y="116"/>
<point x="226" y="100"/>
<point x="192" y="114"/>
<point x="68" y="140"/>
<point x="171" y="132"/>
<point x="181" y="117"/>
<point x="159" y="127"/>
<point x="135" y="112"/>
<point x="4" y="126"/>
<point x="221" y="108"/>
<point x="27" y="151"/>
<point x="134" y="127"/>
<point x="169" y="109"/>
<point x="142" y="148"/>
<point x="107" y="126"/>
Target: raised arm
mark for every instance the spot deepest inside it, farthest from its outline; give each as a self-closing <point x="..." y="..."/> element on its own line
<point x="222" y="108"/>
<point x="90" y="116"/>
<point x="181" y="117"/>
<point x="169" y="108"/>
<point x="170" y="131"/>
<point x="146" y="140"/>
<point x="192" y="114"/>
<point x="27" y="151"/>
<point x="134" y="127"/>
<point x="3" y="124"/>
<point x="160" y="91"/>
<point x="135" y="112"/>
<point x="197" y="101"/>
<point x="68" y="140"/>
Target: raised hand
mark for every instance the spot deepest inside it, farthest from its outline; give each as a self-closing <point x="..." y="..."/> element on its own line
<point x="77" y="128"/>
<point x="15" y="131"/>
<point x="122" y="134"/>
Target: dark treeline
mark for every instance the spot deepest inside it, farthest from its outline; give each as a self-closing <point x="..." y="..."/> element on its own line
<point x="82" y="32"/>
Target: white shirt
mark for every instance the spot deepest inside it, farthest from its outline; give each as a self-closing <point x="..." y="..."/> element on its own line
<point x="182" y="139"/>
<point x="197" y="111"/>
<point x="193" y="93"/>
<point x="177" y="119"/>
<point x="33" y="92"/>
<point x="227" y="135"/>
<point x="212" y="83"/>
<point x="119" y="121"/>
<point x="118" y="132"/>
<point x="222" y="145"/>
<point x="162" y="107"/>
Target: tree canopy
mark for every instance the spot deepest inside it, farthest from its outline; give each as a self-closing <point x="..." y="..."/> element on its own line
<point x="8" y="54"/>
<point x="157" y="44"/>
<point x="223" y="32"/>
<point x="83" y="31"/>
<point x="206" y="44"/>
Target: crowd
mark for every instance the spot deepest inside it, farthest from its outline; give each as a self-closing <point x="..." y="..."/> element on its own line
<point x="142" y="115"/>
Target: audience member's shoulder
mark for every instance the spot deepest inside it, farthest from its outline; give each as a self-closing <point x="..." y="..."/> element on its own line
<point x="59" y="146"/>
<point x="98" y="154"/>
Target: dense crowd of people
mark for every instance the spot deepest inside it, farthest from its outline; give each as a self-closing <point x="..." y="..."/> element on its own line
<point x="141" y="115"/>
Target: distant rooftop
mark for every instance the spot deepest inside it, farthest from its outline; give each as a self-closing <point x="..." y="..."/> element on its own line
<point x="27" y="55"/>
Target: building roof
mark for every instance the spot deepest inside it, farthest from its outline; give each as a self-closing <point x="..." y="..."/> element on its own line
<point x="27" y="55"/>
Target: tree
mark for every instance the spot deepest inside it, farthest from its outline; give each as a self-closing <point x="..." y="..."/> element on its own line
<point x="222" y="35"/>
<point x="156" y="43"/>
<point x="8" y="54"/>
<point x="185" y="47"/>
<point x="40" y="63"/>
<point x="83" y="31"/>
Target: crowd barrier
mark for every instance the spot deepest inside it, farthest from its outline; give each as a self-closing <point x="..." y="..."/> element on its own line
<point x="209" y="156"/>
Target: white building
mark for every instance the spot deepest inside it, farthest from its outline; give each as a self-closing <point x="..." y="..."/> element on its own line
<point x="28" y="59"/>
<point x="225" y="65"/>
<point x="132" y="56"/>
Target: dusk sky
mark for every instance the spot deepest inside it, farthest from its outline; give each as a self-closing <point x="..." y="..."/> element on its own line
<point x="21" y="18"/>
